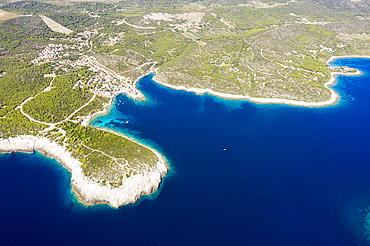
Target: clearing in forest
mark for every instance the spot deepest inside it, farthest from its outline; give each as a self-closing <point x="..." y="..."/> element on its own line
<point x="55" y="26"/>
<point x="6" y="15"/>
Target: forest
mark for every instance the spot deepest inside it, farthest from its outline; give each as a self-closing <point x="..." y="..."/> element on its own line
<point x="19" y="84"/>
<point x="257" y="49"/>
<point x="57" y="104"/>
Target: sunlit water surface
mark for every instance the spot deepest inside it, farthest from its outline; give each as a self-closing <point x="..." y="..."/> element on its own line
<point x="241" y="174"/>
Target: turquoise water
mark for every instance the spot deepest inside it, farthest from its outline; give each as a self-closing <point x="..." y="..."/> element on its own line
<point x="289" y="175"/>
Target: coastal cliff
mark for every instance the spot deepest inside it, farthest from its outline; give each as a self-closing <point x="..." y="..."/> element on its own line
<point x="92" y="193"/>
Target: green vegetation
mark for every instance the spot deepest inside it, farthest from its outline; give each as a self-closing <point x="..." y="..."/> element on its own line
<point x="58" y="103"/>
<point x="14" y="124"/>
<point x="29" y="7"/>
<point x="95" y="106"/>
<point x="256" y="17"/>
<point x="19" y="84"/>
<point x="167" y="47"/>
<point x="25" y="34"/>
<point x="265" y="49"/>
<point x="74" y="21"/>
<point x="107" y="156"/>
<point x="315" y="65"/>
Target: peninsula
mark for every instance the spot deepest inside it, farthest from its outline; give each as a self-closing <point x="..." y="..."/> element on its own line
<point x="145" y="182"/>
<point x="62" y="64"/>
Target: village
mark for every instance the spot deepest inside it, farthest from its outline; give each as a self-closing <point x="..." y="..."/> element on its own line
<point x="106" y="84"/>
<point x="54" y="51"/>
<point x="100" y="80"/>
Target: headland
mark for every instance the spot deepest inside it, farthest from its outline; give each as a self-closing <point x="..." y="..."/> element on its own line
<point x="90" y="192"/>
<point x="334" y="97"/>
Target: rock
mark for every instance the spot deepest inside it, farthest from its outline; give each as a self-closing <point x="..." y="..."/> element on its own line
<point x="91" y="192"/>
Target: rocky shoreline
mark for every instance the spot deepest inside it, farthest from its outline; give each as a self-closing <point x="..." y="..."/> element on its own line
<point x="90" y="192"/>
<point x="334" y="97"/>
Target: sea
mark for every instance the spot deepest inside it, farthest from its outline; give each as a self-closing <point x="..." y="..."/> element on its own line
<point x="240" y="173"/>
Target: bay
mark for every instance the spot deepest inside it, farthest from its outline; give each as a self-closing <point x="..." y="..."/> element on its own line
<point x="241" y="174"/>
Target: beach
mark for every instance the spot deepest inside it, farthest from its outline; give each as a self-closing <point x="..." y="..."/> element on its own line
<point x="289" y="174"/>
<point x="334" y="98"/>
<point x="344" y="57"/>
<point x="88" y="191"/>
<point x="144" y="184"/>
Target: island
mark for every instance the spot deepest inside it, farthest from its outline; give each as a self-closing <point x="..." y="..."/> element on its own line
<point x="63" y="64"/>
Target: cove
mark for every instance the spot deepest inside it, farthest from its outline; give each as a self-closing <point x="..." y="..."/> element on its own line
<point x="289" y="175"/>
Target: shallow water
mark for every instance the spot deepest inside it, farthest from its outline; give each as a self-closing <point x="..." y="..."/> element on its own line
<point x="289" y="175"/>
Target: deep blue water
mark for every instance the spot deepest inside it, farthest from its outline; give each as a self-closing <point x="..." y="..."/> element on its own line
<point x="289" y="175"/>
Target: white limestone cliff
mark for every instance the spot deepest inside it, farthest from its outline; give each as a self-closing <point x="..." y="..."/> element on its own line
<point x="130" y="190"/>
